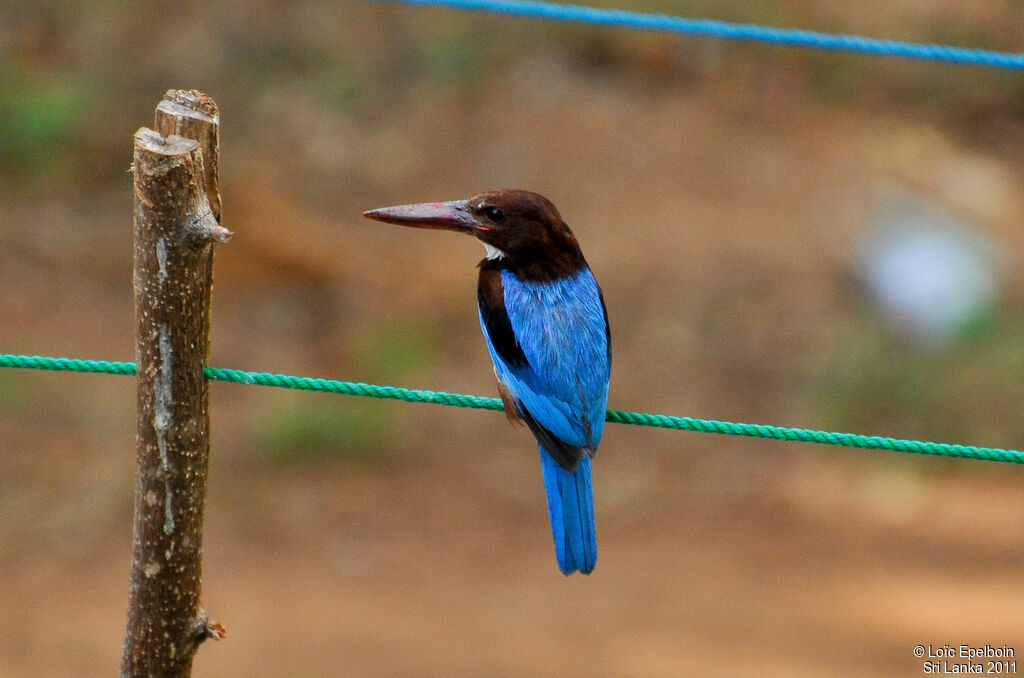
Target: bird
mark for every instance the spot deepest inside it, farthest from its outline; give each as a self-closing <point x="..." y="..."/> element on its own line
<point x="545" y="323"/>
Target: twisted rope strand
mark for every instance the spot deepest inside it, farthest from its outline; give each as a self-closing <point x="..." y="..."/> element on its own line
<point x="722" y="29"/>
<point x="478" y="402"/>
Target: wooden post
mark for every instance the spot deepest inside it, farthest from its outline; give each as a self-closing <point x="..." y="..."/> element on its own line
<point x="176" y="221"/>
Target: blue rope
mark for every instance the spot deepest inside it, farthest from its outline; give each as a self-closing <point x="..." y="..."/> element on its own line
<point x="723" y="29"/>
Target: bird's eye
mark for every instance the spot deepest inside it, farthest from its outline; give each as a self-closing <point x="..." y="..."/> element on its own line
<point x="494" y="214"/>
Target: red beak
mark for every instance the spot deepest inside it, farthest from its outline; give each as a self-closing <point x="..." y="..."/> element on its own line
<point x="447" y="216"/>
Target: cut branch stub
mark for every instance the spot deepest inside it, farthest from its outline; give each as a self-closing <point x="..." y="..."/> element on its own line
<point x="192" y="114"/>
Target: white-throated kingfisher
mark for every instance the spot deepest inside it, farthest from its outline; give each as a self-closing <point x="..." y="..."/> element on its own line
<point x="544" y="319"/>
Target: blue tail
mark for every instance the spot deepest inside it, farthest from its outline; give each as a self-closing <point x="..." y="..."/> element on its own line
<point x="571" y="510"/>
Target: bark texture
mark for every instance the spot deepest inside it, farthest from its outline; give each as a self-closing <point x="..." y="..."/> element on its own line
<point x="175" y="226"/>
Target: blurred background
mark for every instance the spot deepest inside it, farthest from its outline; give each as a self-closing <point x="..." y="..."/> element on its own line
<point x="783" y="236"/>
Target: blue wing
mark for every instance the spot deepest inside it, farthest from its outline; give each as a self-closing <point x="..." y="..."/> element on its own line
<point x="550" y="346"/>
<point x="559" y="365"/>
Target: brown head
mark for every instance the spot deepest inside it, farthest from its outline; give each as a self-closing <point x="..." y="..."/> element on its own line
<point x="521" y="231"/>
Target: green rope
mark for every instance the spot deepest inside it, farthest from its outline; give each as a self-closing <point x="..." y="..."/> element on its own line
<point x="461" y="400"/>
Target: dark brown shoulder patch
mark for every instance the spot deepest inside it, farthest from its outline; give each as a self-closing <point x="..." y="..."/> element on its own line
<point x="491" y="299"/>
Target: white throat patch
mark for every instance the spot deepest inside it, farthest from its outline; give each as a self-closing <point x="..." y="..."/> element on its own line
<point x="492" y="252"/>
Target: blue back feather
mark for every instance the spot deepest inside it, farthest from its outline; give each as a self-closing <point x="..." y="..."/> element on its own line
<point x="561" y="328"/>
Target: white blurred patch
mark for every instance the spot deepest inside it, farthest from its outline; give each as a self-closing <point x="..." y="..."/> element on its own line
<point x="930" y="273"/>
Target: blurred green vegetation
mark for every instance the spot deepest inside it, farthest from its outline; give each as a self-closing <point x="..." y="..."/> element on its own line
<point x="38" y="123"/>
<point x="298" y="429"/>
<point x="395" y="349"/>
<point x="967" y="392"/>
